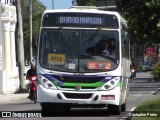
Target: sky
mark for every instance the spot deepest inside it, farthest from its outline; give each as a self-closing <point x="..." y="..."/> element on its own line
<point x="58" y="4"/>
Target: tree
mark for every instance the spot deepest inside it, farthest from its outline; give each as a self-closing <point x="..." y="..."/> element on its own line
<point x="143" y="19"/>
<point x="86" y="2"/>
<point x="23" y="27"/>
<point x="37" y="10"/>
<point x="20" y="48"/>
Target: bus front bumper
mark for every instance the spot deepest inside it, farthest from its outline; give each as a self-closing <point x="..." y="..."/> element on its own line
<point x="78" y="97"/>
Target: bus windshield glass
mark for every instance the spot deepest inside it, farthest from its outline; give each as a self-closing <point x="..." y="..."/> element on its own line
<point x="79" y="50"/>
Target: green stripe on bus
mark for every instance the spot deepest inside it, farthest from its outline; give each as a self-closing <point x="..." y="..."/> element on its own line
<point x="118" y="84"/>
<point x="98" y="84"/>
<point x="38" y="82"/>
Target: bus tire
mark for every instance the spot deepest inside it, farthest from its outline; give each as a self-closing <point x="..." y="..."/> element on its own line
<point x="114" y="109"/>
<point x="123" y="107"/>
<point x="63" y="107"/>
<point x="35" y="96"/>
<point x="47" y="109"/>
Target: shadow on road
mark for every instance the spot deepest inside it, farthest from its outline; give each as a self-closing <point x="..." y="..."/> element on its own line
<point x="81" y="113"/>
<point x="85" y="113"/>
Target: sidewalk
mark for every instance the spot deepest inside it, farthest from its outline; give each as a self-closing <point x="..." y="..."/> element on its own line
<point x="12" y="98"/>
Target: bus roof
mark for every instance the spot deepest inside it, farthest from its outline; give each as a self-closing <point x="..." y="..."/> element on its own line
<point x="87" y="9"/>
<point x="90" y="9"/>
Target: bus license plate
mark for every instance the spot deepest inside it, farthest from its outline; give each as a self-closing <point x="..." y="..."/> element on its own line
<point x="108" y="97"/>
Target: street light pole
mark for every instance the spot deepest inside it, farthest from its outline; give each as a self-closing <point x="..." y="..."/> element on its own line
<point x="53" y="4"/>
<point x="31" y="31"/>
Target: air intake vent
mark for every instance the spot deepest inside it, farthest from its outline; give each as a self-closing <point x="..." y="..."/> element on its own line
<point x="109" y="5"/>
<point x="78" y="95"/>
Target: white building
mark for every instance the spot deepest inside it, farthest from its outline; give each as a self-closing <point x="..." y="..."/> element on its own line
<point x="9" y="79"/>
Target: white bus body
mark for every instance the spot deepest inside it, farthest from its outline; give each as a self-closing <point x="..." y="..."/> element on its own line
<point x="72" y="70"/>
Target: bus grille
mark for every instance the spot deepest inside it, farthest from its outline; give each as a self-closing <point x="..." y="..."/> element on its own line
<point x="78" y="95"/>
<point x="82" y="88"/>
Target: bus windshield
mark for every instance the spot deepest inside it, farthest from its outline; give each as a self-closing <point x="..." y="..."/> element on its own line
<point x="79" y="50"/>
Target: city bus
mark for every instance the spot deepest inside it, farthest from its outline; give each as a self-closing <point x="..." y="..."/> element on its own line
<point x="73" y="70"/>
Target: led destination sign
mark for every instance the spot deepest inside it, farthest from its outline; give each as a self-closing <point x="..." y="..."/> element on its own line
<point x="79" y="20"/>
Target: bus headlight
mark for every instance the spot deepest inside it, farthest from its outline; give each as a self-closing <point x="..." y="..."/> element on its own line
<point x="110" y="84"/>
<point x="46" y="83"/>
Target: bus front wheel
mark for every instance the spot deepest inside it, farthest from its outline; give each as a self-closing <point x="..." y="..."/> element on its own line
<point x="46" y="109"/>
<point x="123" y="107"/>
<point x="49" y="109"/>
<point x="114" y="109"/>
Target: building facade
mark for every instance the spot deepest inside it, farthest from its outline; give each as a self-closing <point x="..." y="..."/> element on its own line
<point x="9" y="79"/>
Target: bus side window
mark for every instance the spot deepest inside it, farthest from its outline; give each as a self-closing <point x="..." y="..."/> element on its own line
<point x="125" y="43"/>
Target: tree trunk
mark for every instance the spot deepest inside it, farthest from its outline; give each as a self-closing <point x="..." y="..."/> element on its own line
<point x="20" y="47"/>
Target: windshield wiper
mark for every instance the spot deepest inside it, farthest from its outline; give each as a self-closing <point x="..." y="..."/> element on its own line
<point x="91" y="37"/>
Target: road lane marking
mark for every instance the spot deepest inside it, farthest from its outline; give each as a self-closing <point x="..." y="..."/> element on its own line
<point x="138" y="95"/>
<point x="126" y="117"/>
<point x="133" y="108"/>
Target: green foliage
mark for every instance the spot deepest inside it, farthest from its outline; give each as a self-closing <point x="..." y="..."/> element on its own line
<point x="142" y="15"/>
<point x="86" y="2"/>
<point x="149" y="106"/>
<point x="156" y="71"/>
<point x="37" y="10"/>
<point x="143" y="19"/>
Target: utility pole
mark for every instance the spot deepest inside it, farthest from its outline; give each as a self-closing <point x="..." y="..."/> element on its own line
<point x="31" y="51"/>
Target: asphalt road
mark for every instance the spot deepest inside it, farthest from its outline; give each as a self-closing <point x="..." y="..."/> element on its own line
<point x="140" y="89"/>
